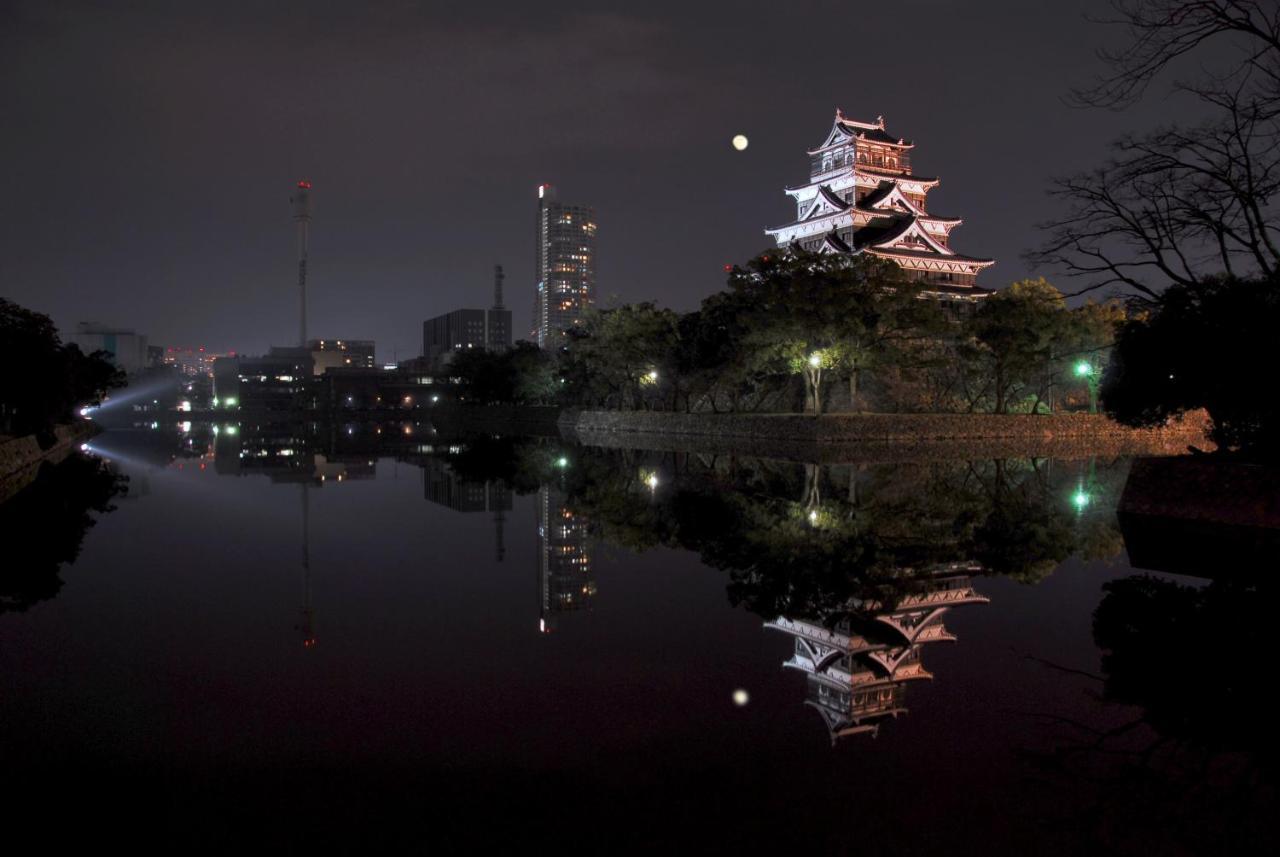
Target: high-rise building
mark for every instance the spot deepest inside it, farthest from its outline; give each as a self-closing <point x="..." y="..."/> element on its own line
<point x="565" y="266"/>
<point x="862" y="197"/>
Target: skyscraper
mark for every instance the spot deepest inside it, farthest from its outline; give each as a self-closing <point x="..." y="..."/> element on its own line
<point x="565" y="266"/>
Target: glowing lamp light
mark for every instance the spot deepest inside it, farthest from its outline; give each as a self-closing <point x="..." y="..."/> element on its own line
<point x="1084" y="368"/>
<point x="562" y="462"/>
<point x="1080" y="499"/>
<point x="740" y="142"/>
<point x="232" y="401"/>
<point x="728" y="269"/>
<point x="815" y="359"/>
<point x="741" y="697"/>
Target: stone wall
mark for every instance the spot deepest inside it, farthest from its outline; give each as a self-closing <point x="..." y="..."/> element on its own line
<point x="20" y="457"/>
<point x="843" y="437"/>
<point x="506" y="419"/>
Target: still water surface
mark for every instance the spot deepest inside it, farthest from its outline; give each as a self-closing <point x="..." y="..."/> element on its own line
<point x="308" y="641"/>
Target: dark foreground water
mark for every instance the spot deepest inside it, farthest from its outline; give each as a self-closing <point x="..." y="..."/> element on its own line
<point x="337" y="640"/>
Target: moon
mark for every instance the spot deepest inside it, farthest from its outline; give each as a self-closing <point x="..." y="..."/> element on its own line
<point x="740" y="142"/>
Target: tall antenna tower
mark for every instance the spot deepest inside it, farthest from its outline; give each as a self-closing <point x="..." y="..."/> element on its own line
<point x="302" y="214"/>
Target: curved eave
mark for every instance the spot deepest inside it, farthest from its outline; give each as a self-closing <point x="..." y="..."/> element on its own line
<point x="920" y="255"/>
<point x="924" y="181"/>
<point x="935" y="290"/>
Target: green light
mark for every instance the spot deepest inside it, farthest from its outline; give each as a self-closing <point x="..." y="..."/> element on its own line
<point x="1081" y="499"/>
<point x="562" y="462"/>
<point x="1084" y="368"/>
<point x="232" y="401"/>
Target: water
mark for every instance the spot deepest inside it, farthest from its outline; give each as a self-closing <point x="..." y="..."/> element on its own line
<point x="314" y="639"/>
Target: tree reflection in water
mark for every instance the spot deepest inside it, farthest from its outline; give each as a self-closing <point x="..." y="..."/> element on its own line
<point x="858" y="563"/>
<point x="43" y="526"/>
<point x="1188" y="763"/>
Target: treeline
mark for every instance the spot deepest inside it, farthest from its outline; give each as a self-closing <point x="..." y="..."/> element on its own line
<point x="798" y="331"/>
<point x="43" y="381"/>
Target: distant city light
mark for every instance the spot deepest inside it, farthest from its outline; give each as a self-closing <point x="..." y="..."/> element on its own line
<point x="741" y="697"/>
<point x="231" y="401"/>
<point x="740" y="142"/>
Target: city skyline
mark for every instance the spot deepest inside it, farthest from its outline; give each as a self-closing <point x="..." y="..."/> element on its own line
<point x="177" y="219"/>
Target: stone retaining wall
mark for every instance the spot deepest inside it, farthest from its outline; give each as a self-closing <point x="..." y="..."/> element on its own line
<point x="843" y="437"/>
<point x="20" y="457"/>
<point x="495" y="418"/>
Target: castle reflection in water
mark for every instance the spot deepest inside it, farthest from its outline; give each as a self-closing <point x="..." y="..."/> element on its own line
<point x="860" y="565"/>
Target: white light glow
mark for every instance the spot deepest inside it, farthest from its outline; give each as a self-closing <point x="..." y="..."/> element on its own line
<point x="740" y="142"/>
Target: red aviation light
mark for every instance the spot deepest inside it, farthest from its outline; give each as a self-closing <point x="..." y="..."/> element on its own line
<point x="304" y="184"/>
<point x="728" y="269"/>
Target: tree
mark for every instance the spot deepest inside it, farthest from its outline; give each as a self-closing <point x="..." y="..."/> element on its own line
<point x="42" y="381"/>
<point x="812" y="312"/>
<point x="1011" y="338"/>
<point x="1179" y="204"/>
<point x="1205" y="345"/>
<point x="623" y="356"/>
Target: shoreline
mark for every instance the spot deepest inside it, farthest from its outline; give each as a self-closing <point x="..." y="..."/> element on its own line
<point x="21" y="457"/>
<point x="880" y="437"/>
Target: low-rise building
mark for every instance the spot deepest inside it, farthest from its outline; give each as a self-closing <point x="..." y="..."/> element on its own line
<point x="341" y="353"/>
<point x="128" y="349"/>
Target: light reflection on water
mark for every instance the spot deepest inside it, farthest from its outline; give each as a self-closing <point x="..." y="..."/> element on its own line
<point x="340" y="623"/>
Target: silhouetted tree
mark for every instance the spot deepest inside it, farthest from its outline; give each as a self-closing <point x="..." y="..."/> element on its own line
<point x="1179" y="204"/>
<point x="43" y="526"/>
<point x="1206" y="345"/>
<point x="42" y="381"/>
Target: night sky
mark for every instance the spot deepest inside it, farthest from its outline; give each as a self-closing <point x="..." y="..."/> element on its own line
<point x="149" y="149"/>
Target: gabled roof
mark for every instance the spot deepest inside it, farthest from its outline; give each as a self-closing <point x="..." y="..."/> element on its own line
<point x="885" y="231"/>
<point x="830" y="196"/>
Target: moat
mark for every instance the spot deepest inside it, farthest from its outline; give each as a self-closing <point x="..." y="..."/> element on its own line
<point x="373" y="635"/>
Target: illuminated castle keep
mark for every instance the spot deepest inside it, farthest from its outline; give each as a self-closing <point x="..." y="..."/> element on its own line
<point x="863" y="198"/>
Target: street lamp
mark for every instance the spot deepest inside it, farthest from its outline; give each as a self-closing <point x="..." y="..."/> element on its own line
<point x="1085" y="370"/>
<point x="815" y="359"/>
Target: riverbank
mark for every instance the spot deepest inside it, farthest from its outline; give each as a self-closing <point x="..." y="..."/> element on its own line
<point x="21" y="457"/>
<point x="880" y="437"/>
